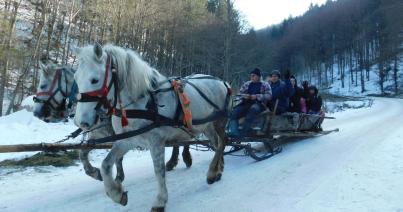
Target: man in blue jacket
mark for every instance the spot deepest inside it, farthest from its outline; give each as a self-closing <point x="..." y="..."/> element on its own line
<point x="255" y="95"/>
<point x="281" y="92"/>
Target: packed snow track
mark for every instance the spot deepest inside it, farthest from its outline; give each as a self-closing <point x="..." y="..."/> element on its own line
<point x="359" y="168"/>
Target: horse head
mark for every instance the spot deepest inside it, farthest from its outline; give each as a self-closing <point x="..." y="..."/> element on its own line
<point x="101" y="72"/>
<point x="94" y="81"/>
<point x="53" y="89"/>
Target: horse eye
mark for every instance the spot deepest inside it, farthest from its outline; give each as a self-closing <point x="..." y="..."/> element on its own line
<point x="43" y="86"/>
<point x="94" y="81"/>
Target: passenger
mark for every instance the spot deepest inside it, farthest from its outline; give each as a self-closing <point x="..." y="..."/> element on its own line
<point x="305" y="87"/>
<point x="296" y="99"/>
<point x="314" y="101"/>
<point x="281" y="91"/>
<point x="255" y="95"/>
<point x="305" y="95"/>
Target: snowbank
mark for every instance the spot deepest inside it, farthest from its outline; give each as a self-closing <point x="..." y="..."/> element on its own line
<point x="28" y="103"/>
<point x="23" y="127"/>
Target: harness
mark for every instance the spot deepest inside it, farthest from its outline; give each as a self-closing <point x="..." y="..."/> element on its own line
<point x="151" y="112"/>
<point x="101" y="95"/>
<point x="60" y="106"/>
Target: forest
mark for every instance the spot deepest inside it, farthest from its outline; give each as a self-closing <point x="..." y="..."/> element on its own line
<point x="340" y="40"/>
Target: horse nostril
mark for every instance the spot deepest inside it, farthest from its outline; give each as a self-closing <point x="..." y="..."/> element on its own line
<point x="84" y="125"/>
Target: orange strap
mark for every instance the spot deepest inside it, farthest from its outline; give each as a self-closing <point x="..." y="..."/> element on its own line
<point x="185" y="103"/>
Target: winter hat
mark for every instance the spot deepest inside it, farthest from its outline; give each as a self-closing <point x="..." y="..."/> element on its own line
<point x="276" y="73"/>
<point x="257" y="72"/>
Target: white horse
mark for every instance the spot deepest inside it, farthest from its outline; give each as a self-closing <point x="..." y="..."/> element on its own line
<point x="54" y="88"/>
<point x="139" y="88"/>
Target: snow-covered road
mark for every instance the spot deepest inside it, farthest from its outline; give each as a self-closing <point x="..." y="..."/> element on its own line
<point x="359" y="168"/>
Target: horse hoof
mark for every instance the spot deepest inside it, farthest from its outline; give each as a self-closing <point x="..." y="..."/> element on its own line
<point x="210" y="181"/>
<point x="218" y="177"/>
<point x="187" y="158"/>
<point x="124" y="199"/>
<point x="170" y="165"/>
<point x="157" y="209"/>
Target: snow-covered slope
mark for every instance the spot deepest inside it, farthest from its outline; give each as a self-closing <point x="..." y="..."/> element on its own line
<point x="371" y="86"/>
<point x="357" y="169"/>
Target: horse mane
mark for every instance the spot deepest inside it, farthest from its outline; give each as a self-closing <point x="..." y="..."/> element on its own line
<point x="133" y="72"/>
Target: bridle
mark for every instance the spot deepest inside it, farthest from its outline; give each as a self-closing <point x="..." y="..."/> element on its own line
<point x="100" y="96"/>
<point x="56" y="106"/>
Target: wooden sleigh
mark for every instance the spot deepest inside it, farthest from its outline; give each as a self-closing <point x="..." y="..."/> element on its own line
<point x="269" y="131"/>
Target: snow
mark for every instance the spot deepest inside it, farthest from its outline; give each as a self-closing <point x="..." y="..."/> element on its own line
<point x="28" y="103"/>
<point x="371" y="87"/>
<point x="22" y="128"/>
<point x="357" y="169"/>
<point x="337" y="106"/>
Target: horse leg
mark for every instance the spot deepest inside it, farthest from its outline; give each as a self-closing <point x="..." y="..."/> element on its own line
<point x="113" y="189"/>
<point x="173" y="161"/>
<point x="89" y="169"/>
<point x="187" y="157"/>
<point x="217" y="164"/>
<point x="220" y="126"/>
<point x="158" y="156"/>
<point x="120" y="175"/>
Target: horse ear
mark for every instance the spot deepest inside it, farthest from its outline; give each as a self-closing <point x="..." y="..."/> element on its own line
<point x="98" y="50"/>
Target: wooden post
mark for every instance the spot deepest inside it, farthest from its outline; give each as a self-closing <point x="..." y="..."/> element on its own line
<point x="54" y="147"/>
<point x="268" y="129"/>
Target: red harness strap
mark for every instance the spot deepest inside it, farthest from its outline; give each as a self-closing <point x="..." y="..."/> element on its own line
<point x="104" y="90"/>
<point x="101" y="95"/>
<point x="49" y="92"/>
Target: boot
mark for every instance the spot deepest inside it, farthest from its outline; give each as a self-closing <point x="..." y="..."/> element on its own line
<point x="233" y="128"/>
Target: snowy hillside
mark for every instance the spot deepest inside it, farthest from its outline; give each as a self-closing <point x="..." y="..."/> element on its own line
<point x="372" y="86"/>
<point x="357" y="169"/>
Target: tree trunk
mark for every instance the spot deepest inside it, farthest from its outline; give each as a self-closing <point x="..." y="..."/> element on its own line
<point x="7" y="45"/>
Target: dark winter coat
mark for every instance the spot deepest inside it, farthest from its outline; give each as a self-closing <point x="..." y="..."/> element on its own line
<point x="281" y="91"/>
<point x="314" y="102"/>
<point x="295" y="100"/>
<point x="305" y="89"/>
